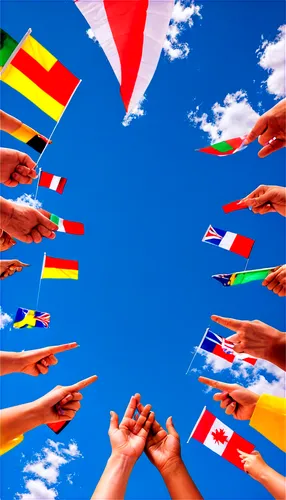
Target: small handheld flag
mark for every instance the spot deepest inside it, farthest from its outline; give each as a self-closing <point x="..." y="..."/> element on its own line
<point x="220" y="438"/>
<point x="241" y="245"/>
<point x="66" y="226"/>
<point x="225" y="148"/>
<point x="58" y="427"/>
<point x="223" y="348"/>
<point x="30" y="137"/>
<point x="53" y="182"/>
<point x="234" y="206"/>
<point x="243" y="277"/>
<point x="54" y="268"/>
<point x="26" y="318"/>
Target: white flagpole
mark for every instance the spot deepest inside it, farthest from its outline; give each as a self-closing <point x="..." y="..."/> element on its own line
<point x="197" y="351"/>
<point x="15" y="52"/>
<point x="40" y="282"/>
<point x="196" y="424"/>
<point x="246" y="264"/>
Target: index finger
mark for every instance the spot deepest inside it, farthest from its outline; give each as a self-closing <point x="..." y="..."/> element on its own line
<point x="46" y="351"/>
<point x="82" y="384"/>
<point x="258" y="129"/>
<point x="223" y="386"/>
<point x="131" y="407"/>
<point x="19" y="263"/>
<point x="231" y="324"/>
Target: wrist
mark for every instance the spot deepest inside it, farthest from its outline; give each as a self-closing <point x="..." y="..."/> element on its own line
<point x="6" y="213"/>
<point x="264" y="475"/>
<point x="172" y="466"/>
<point x="277" y="350"/>
<point x="122" y="460"/>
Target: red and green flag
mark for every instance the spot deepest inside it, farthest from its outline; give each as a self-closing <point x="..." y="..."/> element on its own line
<point x="66" y="226"/>
<point x="225" y="148"/>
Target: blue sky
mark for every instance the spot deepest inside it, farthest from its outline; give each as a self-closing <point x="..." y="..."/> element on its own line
<point x="145" y="293"/>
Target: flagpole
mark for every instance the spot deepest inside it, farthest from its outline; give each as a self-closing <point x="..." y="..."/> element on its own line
<point x="15" y="51"/>
<point x="38" y="181"/>
<point x="196" y="424"/>
<point x="246" y="264"/>
<point x="40" y="282"/>
<point x="197" y="351"/>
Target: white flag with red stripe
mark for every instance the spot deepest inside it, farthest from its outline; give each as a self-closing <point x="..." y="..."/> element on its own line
<point x="132" y="35"/>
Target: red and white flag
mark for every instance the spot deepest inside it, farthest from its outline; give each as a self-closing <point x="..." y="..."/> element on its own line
<point x="220" y="438"/>
<point x="52" y="181"/>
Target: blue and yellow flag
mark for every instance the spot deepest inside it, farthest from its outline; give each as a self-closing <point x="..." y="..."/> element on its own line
<point x="26" y="318"/>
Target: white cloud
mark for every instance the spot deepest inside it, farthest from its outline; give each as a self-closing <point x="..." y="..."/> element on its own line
<point x="182" y="17"/>
<point x="234" y="118"/>
<point x="272" y="59"/>
<point x="5" y="319"/>
<point x="44" y="470"/>
<point x="91" y="35"/>
<point x="27" y="199"/>
<point x="135" y="113"/>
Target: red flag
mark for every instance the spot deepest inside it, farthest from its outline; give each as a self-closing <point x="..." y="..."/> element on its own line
<point x="58" y="427"/>
<point x="233" y="206"/>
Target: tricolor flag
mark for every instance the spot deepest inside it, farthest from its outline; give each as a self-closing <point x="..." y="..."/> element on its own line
<point x="229" y="241"/>
<point x="58" y="427"/>
<point x="243" y="277"/>
<point x="31" y="137"/>
<point x="27" y="318"/>
<point x="222" y="347"/>
<point x="220" y="438"/>
<point x="54" y="268"/>
<point x="66" y="226"/>
<point x="225" y="148"/>
<point x="33" y="71"/>
<point x="234" y="206"/>
<point x="53" y="182"/>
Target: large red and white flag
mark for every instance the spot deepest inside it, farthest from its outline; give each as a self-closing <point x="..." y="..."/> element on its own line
<point x="132" y="34"/>
<point x="220" y="438"/>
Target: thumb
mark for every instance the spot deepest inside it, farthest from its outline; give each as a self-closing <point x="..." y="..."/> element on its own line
<point x="256" y="453"/>
<point x="171" y="429"/>
<point x="26" y="161"/>
<point x="257" y="130"/>
<point x="114" y="422"/>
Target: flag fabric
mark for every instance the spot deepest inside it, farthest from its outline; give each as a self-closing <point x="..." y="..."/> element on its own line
<point x="234" y="206"/>
<point x="53" y="182"/>
<point x="27" y="318"/>
<point x="58" y="427"/>
<point x="220" y="438"/>
<point x="223" y="348"/>
<point x="132" y="35"/>
<point x="233" y="242"/>
<point x="225" y="148"/>
<point x="32" y="138"/>
<point x="54" y="268"/>
<point x="7" y="47"/>
<point x="38" y="75"/>
<point x="66" y="226"/>
<point x="243" y="277"/>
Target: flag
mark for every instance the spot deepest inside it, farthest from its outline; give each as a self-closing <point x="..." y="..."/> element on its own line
<point x="66" y="226"/>
<point x="37" y="74"/>
<point x="243" y="277"/>
<point x="27" y="318"/>
<point x="225" y="148"/>
<point x="58" y="427"/>
<point x="233" y="206"/>
<point x="220" y="438"/>
<point x="53" y="182"/>
<point x="54" y="268"/>
<point x="229" y="241"/>
<point x="31" y="138"/>
<point x="222" y="347"/>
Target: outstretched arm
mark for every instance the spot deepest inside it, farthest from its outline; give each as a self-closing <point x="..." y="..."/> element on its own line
<point x="179" y="482"/>
<point x="8" y="123"/>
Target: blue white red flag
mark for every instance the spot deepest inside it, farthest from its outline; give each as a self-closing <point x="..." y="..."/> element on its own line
<point x="236" y="243"/>
<point x="222" y="347"/>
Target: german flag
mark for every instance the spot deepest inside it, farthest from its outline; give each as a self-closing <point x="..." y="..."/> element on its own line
<point x="37" y="74"/>
<point x="31" y="138"/>
<point x="54" y="268"/>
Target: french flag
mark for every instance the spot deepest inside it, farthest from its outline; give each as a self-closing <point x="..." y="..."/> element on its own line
<point x="236" y="243"/>
<point x="220" y="438"/>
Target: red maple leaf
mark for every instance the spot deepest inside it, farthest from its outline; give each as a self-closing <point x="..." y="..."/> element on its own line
<point x="219" y="436"/>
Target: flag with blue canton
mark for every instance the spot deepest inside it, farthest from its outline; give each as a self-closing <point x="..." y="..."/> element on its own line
<point x="214" y="235"/>
<point x="218" y="345"/>
<point x="26" y="318"/>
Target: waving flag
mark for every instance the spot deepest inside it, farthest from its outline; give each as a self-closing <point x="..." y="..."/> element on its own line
<point x="229" y="241"/>
<point x="220" y="438"/>
<point x="132" y="35"/>
<point x="223" y="348"/>
<point x="243" y="277"/>
<point x="234" y="206"/>
<point x="58" y="427"/>
<point x="37" y="74"/>
<point x="225" y="148"/>
<point x="53" y="182"/>
<point x="30" y="137"/>
<point x="66" y="226"/>
<point x="54" y="268"/>
<point x="26" y="318"/>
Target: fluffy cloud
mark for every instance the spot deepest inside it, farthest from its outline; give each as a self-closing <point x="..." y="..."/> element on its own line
<point x="44" y="470"/>
<point x="5" y="319"/>
<point x="234" y="118"/>
<point x="182" y="17"/>
<point x="135" y="113"/>
<point x="28" y="199"/>
<point x="272" y="59"/>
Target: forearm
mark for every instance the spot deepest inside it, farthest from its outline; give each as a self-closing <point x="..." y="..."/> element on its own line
<point x="17" y="420"/>
<point x="274" y="482"/>
<point x="277" y="356"/>
<point x="6" y="212"/>
<point x="113" y="482"/>
<point x="8" y="362"/>
<point x="8" y="123"/>
<point x="179" y="482"/>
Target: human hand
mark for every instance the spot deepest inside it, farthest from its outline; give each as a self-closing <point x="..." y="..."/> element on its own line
<point x="37" y="362"/>
<point x="62" y="403"/>
<point x="6" y="241"/>
<point x="235" y="399"/>
<point x="9" y="267"/>
<point x="25" y="223"/>
<point x="276" y="281"/>
<point x="128" y="438"/>
<point x="270" y="129"/>
<point x="162" y="448"/>
<point x="254" y="464"/>
<point x="266" y="199"/>
<point x="16" y="168"/>
<point x="252" y="337"/>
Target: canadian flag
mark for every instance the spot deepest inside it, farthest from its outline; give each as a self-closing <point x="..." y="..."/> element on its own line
<point x="219" y="438"/>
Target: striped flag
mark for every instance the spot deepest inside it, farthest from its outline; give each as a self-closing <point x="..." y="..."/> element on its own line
<point x="223" y="348"/>
<point x="241" y="245"/>
<point x="53" y="182"/>
<point x="66" y="226"/>
<point x="54" y="268"/>
<point x="225" y="148"/>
